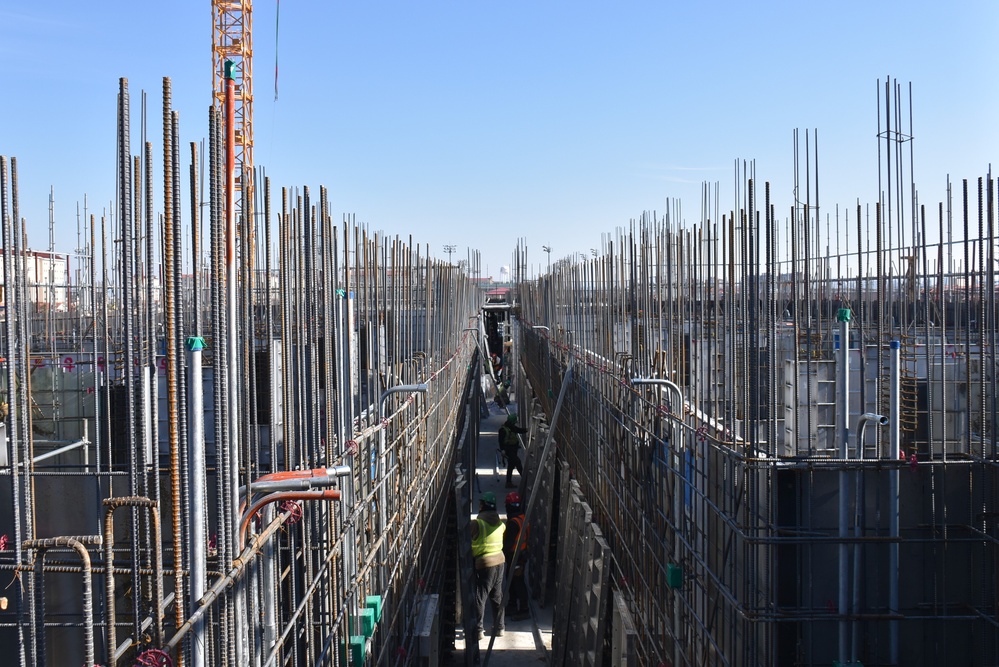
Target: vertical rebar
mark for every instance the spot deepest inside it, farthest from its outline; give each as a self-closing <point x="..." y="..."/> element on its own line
<point x="8" y="197"/>
<point x="170" y="307"/>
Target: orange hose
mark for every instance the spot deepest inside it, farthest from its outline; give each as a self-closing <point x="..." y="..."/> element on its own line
<point x="292" y="474"/>
<point x="328" y="494"/>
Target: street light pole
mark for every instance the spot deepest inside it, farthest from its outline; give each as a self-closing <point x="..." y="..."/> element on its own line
<point x="548" y="250"/>
<point x="449" y="249"/>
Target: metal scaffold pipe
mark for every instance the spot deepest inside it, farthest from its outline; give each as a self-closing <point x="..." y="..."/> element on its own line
<point x="858" y="528"/>
<point x="296" y="480"/>
<point x="843" y="428"/>
<point x="198" y="542"/>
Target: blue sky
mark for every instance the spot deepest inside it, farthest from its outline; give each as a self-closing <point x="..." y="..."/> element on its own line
<point x="479" y="123"/>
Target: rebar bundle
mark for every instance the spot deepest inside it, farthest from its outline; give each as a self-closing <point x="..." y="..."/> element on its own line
<point x="247" y="437"/>
<point x="705" y="429"/>
<point x="286" y="395"/>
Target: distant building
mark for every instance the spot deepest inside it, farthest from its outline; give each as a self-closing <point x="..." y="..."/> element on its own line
<point x="47" y="275"/>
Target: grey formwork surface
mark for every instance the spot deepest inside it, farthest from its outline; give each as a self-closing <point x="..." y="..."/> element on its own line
<point x="569" y="524"/>
<point x="579" y="551"/>
<point x="534" y="446"/>
<point x="580" y="614"/>
<point x="586" y="625"/>
<point x="539" y="555"/>
<point x="624" y="640"/>
<point x="595" y="575"/>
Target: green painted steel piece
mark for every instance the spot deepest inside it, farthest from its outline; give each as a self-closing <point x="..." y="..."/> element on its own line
<point x="357" y="649"/>
<point x="195" y="344"/>
<point x="367" y="618"/>
<point x="374" y="602"/>
<point x="674" y="576"/>
<point x="843" y="315"/>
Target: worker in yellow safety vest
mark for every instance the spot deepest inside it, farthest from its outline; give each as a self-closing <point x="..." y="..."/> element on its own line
<point x="490" y="563"/>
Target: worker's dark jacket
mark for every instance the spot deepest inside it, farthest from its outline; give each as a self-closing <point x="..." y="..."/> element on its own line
<point x="507" y="436"/>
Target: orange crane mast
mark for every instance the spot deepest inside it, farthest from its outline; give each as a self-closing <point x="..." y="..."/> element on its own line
<point x="232" y="41"/>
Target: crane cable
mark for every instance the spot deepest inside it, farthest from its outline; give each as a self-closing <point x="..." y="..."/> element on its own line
<point x="277" y="23"/>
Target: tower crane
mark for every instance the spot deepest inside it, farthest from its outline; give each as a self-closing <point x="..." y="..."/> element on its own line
<point x="232" y="42"/>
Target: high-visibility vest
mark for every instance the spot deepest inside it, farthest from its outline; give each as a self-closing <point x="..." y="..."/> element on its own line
<point x="519" y="520"/>
<point x="489" y="540"/>
<point x="508" y="438"/>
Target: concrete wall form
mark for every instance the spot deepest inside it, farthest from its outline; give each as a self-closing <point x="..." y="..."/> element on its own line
<point x="724" y="521"/>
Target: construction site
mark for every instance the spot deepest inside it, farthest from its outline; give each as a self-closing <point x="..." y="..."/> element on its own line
<point x="240" y="429"/>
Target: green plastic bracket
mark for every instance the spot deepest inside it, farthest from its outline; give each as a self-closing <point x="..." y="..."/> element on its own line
<point x="229" y="70"/>
<point x="674" y="576"/>
<point x="357" y="649"/>
<point x="195" y="343"/>
<point x="843" y="315"/>
<point x="374" y="602"/>
<point x="367" y="618"/>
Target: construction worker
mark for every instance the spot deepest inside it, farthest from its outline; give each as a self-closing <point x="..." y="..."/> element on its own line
<point x="516" y="607"/>
<point x="510" y="444"/>
<point x="490" y="563"/>
<point x="502" y="397"/>
<point x="497" y="362"/>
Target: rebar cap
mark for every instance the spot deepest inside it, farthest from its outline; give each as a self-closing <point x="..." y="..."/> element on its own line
<point x="195" y="343"/>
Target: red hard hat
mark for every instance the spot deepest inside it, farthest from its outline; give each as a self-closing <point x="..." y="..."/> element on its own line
<point x="513" y="498"/>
